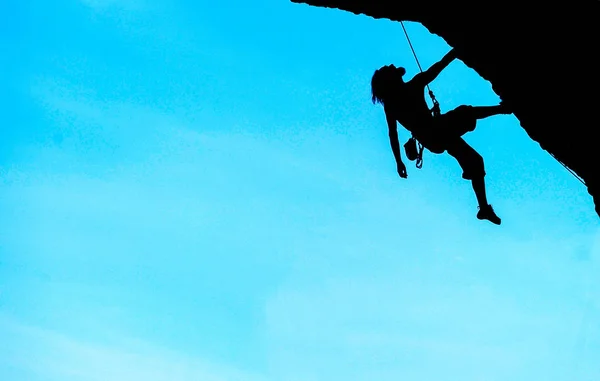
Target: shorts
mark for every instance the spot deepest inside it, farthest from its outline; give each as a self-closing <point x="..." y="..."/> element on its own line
<point x="455" y="123"/>
<point x="469" y="160"/>
<point x="446" y="135"/>
<point x="447" y="127"/>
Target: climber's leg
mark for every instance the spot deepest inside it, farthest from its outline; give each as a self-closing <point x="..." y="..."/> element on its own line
<point x="473" y="169"/>
<point x="464" y="118"/>
<point x="482" y="112"/>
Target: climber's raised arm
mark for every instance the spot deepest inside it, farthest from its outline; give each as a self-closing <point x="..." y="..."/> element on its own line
<point x="423" y="79"/>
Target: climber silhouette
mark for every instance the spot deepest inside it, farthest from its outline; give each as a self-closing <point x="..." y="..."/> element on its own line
<point x="404" y="102"/>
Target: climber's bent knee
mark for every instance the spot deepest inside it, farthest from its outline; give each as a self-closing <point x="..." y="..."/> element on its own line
<point x="469" y="160"/>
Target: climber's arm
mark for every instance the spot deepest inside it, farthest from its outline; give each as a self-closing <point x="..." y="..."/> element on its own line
<point x="393" y="134"/>
<point x="423" y="79"/>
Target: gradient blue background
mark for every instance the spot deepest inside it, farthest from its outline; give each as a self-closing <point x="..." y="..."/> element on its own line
<point x="203" y="191"/>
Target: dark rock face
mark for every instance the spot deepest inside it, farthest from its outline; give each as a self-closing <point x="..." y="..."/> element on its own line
<point x="541" y="58"/>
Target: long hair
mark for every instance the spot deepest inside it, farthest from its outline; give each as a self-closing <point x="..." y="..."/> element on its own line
<point x="382" y="82"/>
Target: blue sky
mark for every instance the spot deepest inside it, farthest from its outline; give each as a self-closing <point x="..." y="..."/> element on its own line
<point x="203" y="191"/>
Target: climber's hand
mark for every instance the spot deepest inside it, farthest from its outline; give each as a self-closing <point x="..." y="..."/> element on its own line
<point x="402" y="170"/>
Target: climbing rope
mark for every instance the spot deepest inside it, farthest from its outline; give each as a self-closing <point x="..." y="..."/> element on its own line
<point x="569" y="169"/>
<point x="436" y="106"/>
<point x="436" y="111"/>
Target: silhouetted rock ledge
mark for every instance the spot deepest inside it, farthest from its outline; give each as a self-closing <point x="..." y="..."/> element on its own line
<point x="541" y="58"/>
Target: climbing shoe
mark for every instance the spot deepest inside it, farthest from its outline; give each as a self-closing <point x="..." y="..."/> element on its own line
<point x="487" y="213"/>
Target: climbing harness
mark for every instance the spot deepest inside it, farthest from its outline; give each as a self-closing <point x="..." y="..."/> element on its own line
<point x="412" y="153"/>
<point x="411" y="145"/>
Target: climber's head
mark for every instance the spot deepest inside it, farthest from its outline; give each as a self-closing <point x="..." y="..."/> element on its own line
<point x="383" y="81"/>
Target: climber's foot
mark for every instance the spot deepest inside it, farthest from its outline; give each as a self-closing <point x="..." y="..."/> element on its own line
<point x="487" y="213"/>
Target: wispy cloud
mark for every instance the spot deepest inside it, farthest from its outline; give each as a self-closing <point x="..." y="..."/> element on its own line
<point x="40" y="353"/>
<point x="126" y="5"/>
<point x="418" y="322"/>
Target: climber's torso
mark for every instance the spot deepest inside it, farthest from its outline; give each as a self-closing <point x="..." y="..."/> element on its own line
<point x="407" y="106"/>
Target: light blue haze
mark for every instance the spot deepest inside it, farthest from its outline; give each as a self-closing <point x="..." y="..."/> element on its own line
<point x="202" y="191"/>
